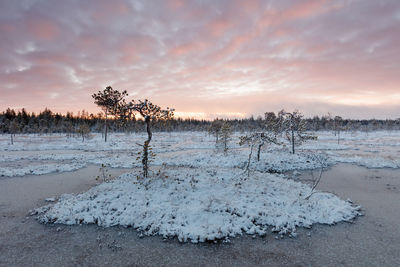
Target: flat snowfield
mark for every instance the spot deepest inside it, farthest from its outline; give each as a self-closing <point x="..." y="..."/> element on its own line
<point x="41" y="154"/>
<point x="197" y="193"/>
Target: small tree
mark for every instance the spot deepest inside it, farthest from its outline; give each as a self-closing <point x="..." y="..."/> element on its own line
<point x="109" y="101"/>
<point x="83" y="131"/>
<point x="215" y="128"/>
<point x="124" y="114"/>
<point x="338" y="126"/>
<point x="294" y="128"/>
<point x="257" y="139"/>
<point x="150" y="113"/>
<point x="272" y="126"/>
<point x="68" y="127"/>
<point x="251" y="141"/>
<point x="323" y="164"/>
<point x="226" y="133"/>
<point x="13" y="129"/>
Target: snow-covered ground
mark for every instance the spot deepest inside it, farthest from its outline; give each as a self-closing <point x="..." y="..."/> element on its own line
<point x="197" y="192"/>
<point x="200" y="204"/>
<point x="40" y="154"/>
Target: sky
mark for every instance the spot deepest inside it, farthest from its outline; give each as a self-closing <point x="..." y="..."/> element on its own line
<point x="206" y="59"/>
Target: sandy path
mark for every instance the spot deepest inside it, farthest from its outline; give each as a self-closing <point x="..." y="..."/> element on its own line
<point x="373" y="240"/>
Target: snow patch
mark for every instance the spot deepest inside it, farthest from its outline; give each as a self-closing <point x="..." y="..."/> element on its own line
<point x="201" y="204"/>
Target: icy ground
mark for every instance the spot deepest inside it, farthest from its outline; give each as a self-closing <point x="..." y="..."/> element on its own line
<point x="41" y="154"/>
<point x="196" y="192"/>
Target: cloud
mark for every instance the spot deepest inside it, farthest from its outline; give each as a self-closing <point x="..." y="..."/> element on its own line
<point x="204" y="57"/>
<point x="43" y="29"/>
<point x="188" y="48"/>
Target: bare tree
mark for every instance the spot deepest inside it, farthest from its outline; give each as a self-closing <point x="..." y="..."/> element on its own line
<point x="150" y="113"/>
<point x="295" y="128"/>
<point x="109" y="100"/>
<point x="249" y="140"/>
<point x="322" y="161"/>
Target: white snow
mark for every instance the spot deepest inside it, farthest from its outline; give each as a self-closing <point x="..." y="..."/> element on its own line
<point x="200" y="193"/>
<point x="41" y="154"/>
<point x="200" y="204"/>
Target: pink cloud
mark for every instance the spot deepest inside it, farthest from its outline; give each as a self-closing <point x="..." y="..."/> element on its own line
<point x="7" y="28"/>
<point x="249" y="6"/>
<point x="43" y="29"/>
<point x="134" y="48"/>
<point x="251" y="56"/>
<point x="219" y="27"/>
<point x="176" y="4"/>
<point x="88" y="41"/>
<point x="274" y="18"/>
<point x="188" y="48"/>
<point x="104" y="11"/>
<point x="305" y="9"/>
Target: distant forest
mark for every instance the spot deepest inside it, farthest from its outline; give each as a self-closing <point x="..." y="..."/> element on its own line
<point x="21" y="121"/>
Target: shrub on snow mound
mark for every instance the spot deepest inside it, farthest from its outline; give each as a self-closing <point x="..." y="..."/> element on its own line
<point x="200" y="205"/>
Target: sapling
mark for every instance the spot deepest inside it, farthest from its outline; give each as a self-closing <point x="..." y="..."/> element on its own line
<point x="249" y="141"/>
<point x="322" y="162"/>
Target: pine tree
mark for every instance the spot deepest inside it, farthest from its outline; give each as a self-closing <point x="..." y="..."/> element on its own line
<point x="150" y="113"/>
<point x="109" y="100"/>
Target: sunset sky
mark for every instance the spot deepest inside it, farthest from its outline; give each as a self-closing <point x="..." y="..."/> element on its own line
<point x="205" y="58"/>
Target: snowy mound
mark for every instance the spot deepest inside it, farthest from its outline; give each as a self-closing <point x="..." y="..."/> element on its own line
<point x="200" y="205"/>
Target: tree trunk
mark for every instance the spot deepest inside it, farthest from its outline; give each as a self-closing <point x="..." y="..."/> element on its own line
<point x="249" y="160"/>
<point x="225" y="144"/>
<point x="105" y="129"/>
<point x="145" y="159"/>
<point x="259" y="151"/>
<point x="293" y="141"/>
<point x="12" y="139"/>
<point x="149" y="134"/>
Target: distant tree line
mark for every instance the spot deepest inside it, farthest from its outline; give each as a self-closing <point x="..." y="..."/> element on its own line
<point x="46" y="122"/>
